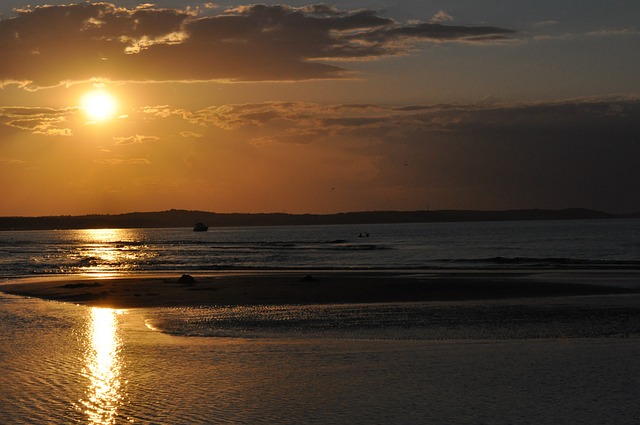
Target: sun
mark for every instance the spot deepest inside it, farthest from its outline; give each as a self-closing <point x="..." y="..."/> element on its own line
<point x="99" y="105"/>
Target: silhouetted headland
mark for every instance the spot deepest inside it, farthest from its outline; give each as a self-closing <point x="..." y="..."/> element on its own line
<point x="184" y="218"/>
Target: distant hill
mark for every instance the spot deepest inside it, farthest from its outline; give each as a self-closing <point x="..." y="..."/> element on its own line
<point x="183" y="218"/>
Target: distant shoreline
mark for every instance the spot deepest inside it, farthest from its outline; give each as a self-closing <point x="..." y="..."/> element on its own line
<point x="184" y="218"/>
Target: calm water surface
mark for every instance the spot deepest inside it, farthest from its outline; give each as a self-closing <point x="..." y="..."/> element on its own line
<point x="604" y="244"/>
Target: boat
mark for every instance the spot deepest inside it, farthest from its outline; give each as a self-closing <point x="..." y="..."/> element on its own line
<point x="200" y="227"/>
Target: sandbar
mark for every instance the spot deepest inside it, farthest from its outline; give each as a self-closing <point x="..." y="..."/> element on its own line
<point x="299" y="287"/>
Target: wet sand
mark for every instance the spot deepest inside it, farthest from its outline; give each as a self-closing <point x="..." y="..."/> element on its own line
<point x="273" y="288"/>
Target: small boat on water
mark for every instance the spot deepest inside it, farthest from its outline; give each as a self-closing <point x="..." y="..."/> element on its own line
<point x="200" y="227"/>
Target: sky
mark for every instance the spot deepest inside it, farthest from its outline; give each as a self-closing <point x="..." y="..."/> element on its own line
<point x="302" y="107"/>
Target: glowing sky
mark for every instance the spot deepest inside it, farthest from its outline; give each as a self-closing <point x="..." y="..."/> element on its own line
<point x="317" y="108"/>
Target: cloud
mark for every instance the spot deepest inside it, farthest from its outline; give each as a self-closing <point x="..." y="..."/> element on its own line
<point x="486" y="155"/>
<point x="441" y="16"/>
<point x="547" y="23"/>
<point x="137" y="139"/>
<point x="618" y="33"/>
<point x="614" y="32"/>
<point x="580" y="152"/>
<point x="191" y="135"/>
<point x="40" y="121"/>
<point x="51" y="45"/>
<point x="10" y="161"/>
<point x="119" y="161"/>
<point x="239" y="115"/>
<point x="436" y="32"/>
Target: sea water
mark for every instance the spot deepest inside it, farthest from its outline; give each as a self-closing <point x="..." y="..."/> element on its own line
<point x="537" y="361"/>
<point x="589" y="244"/>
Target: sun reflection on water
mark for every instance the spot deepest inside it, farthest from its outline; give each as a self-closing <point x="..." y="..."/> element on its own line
<point x="106" y="251"/>
<point x="103" y="367"/>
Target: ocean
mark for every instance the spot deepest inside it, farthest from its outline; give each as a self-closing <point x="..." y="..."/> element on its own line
<point x="527" y="361"/>
<point x="579" y="244"/>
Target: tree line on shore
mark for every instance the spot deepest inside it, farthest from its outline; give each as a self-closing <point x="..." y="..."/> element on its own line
<point x="184" y="218"/>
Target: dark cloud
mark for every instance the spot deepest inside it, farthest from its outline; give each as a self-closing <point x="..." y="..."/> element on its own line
<point x="48" y="45"/>
<point x="439" y="32"/>
<point x="581" y="153"/>
<point x="564" y="154"/>
<point x="353" y="122"/>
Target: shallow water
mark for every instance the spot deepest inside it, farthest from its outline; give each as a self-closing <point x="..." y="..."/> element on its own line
<point x="69" y="364"/>
<point x="570" y="317"/>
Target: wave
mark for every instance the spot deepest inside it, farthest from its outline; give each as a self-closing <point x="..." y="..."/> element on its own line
<point x="546" y="262"/>
<point x="204" y="264"/>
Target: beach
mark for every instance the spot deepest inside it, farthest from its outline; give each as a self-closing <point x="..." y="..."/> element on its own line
<point x="276" y="288"/>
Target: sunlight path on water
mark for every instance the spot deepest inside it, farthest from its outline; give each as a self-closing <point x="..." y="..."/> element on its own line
<point x="103" y="365"/>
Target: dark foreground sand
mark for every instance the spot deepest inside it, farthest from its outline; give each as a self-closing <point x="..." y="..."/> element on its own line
<point x="270" y="288"/>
